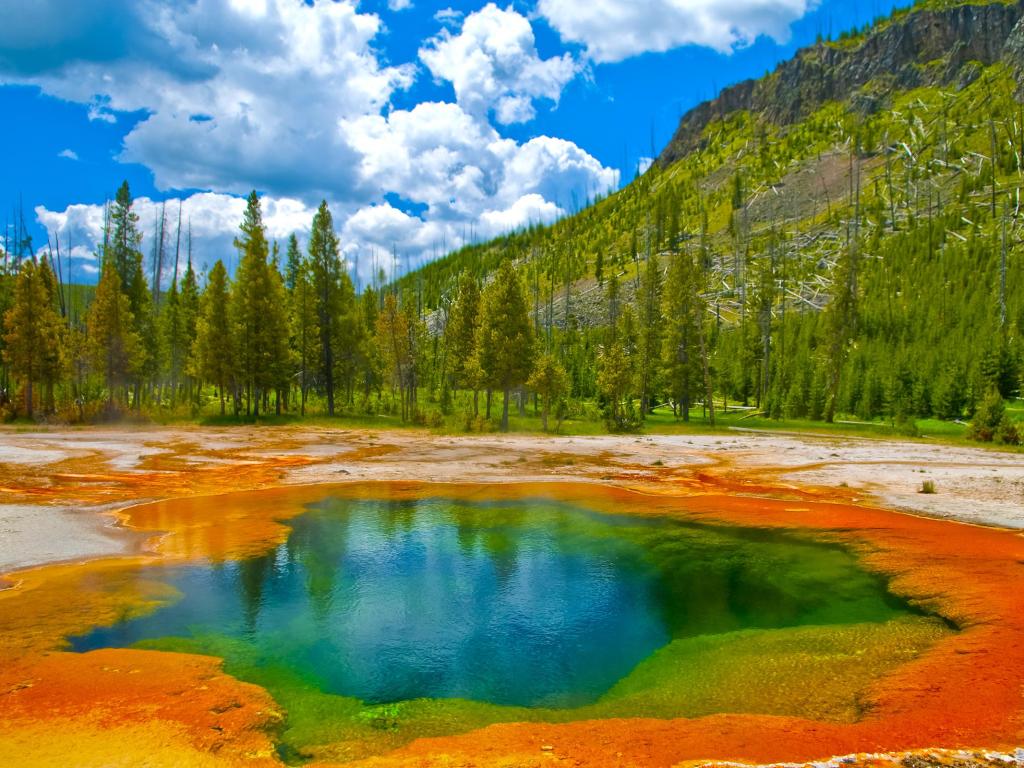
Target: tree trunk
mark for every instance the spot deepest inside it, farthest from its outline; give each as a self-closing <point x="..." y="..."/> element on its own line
<point x="488" y="404"/>
<point x="329" y="370"/>
<point x="709" y="394"/>
<point x="504" y="411"/>
<point x="28" y="398"/>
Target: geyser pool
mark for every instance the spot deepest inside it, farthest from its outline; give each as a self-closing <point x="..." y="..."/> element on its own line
<point x="525" y="603"/>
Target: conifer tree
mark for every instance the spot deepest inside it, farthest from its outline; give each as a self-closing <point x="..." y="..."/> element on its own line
<point x="617" y="374"/>
<point x="123" y="248"/>
<point x="33" y="332"/>
<point x="649" y="352"/>
<point x="175" y="343"/>
<point x="114" y="344"/>
<point x="370" y="358"/>
<point x="305" y="330"/>
<point x="293" y="262"/>
<point x="124" y="242"/>
<point x="551" y="382"/>
<point x="461" y="336"/>
<point x="259" y="313"/>
<point x="188" y="302"/>
<point x="213" y="354"/>
<point x="507" y="338"/>
<point x="393" y="340"/>
<point x="326" y="269"/>
<point x="681" y="350"/>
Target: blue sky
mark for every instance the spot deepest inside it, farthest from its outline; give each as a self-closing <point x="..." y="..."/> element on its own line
<point x="423" y="124"/>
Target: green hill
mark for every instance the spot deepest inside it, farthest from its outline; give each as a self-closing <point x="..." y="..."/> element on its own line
<point x="851" y="223"/>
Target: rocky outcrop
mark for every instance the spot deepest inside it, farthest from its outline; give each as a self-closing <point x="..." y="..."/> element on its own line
<point x="924" y="47"/>
<point x="1013" y="50"/>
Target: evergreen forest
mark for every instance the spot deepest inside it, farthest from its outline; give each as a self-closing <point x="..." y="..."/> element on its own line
<point x="859" y="263"/>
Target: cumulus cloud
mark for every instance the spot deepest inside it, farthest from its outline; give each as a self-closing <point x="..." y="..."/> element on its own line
<point x="213" y="218"/>
<point x="399" y="5"/>
<point x="613" y="30"/>
<point x="293" y="98"/>
<point x="68" y="154"/>
<point x="528" y="209"/>
<point x="493" y="64"/>
<point x="448" y="16"/>
<point x="460" y="167"/>
<point x="238" y="93"/>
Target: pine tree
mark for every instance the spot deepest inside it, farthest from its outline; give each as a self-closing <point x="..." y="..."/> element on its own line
<point x="507" y="338"/>
<point x="259" y="314"/>
<point x="293" y="263"/>
<point x="175" y="343"/>
<point x="213" y="354"/>
<point x="370" y="358"/>
<point x="114" y="344"/>
<point x="617" y="374"/>
<point x="305" y="330"/>
<point x="32" y="341"/>
<point x="124" y="242"/>
<point x="461" y="336"/>
<point x="280" y="360"/>
<point x="550" y="381"/>
<point x="393" y="340"/>
<point x="123" y="248"/>
<point x="188" y="303"/>
<point x="325" y="266"/>
<point x="649" y="308"/>
<point x="681" y="350"/>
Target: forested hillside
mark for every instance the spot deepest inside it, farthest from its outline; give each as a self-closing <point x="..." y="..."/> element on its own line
<point x="841" y="237"/>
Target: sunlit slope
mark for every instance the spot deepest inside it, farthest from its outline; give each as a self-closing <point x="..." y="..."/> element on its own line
<point x="901" y="143"/>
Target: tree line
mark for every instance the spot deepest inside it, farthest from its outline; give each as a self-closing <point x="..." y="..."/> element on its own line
<point x="265" y="339"/>
<point x="853" y="266"/>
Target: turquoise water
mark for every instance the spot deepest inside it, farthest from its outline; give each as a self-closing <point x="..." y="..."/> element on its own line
<point x="531" y="603"/>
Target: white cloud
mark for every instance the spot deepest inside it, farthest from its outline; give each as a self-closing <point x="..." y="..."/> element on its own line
<point x="448" y="16"/>
<point x="68" y="154"/>
<point x="214" y="219"/>
<point x="293" y="99"/>
<point x="439" y="155"/>
<point x="399" y="5"/>
<point x="240" y="93"/>
<point x="528" y="209"/>
<point x="377" y="234"/>
<point x="493" y="64"/>
<point x="613" y="30"/>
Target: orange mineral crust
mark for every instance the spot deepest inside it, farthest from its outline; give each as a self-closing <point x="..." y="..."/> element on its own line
<point x="130" y="707"/>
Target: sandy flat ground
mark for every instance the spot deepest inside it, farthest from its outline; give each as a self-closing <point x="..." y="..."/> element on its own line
<point x="58" y="488"/>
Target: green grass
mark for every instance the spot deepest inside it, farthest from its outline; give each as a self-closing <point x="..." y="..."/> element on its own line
<point x="586" y="421"/>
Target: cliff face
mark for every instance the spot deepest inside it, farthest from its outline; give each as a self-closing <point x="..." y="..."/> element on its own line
<point x="947" y="41"/>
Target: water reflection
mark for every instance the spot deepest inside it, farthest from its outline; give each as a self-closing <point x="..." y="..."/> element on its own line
<point x="533" y="602"/>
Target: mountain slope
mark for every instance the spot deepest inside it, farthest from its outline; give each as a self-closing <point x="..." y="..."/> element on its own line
<point x="884" y="168"/>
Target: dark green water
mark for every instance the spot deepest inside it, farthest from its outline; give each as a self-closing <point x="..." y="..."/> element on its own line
<point x="532" y="603"/>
